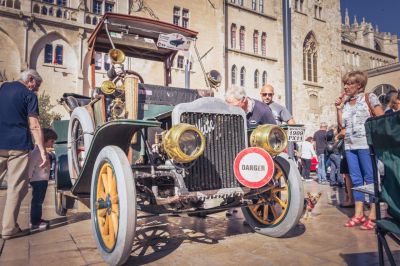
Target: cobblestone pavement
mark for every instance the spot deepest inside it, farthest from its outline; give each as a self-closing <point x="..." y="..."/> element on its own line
<point x="214" y="240"/>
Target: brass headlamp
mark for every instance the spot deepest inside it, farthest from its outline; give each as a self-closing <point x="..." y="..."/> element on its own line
<point x="184" y="143"/>
<point x="271" y="138"/>
<point x="116" y="56"/>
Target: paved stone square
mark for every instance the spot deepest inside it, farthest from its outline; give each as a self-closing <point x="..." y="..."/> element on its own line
<point x="214" y="240"/>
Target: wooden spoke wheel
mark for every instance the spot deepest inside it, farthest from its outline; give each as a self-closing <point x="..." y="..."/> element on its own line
<point x="278" y="210"/>
<point x="271" y="207"/>
<point x="106" y="206"/>
<point x="113" y="205"/>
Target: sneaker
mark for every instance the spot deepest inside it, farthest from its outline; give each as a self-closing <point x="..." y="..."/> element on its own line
<point x="39" y="227"/>
<point x="18" y="233"/>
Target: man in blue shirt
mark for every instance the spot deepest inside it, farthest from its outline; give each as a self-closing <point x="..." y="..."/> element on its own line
<point x="19" y="121"/>
<point x="257" y="113"/>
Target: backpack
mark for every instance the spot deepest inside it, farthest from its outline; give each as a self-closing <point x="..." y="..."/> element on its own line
<point x="330" y="146"/>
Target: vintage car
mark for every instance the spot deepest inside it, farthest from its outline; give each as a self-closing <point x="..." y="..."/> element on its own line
<point x="135" y="150"/>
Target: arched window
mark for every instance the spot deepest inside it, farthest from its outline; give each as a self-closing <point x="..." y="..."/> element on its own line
<point x="51" y="12"/>
<point x="256" y="79"/>
<point x="242" y="33"/>
<point x="261" y="6"/>
<point x="255" y="41"/>
<point x="17" y="4"/>
<point x="59" y="55"/>
<point x="59" y="13"/>
<point x="48" y="54"/>
<point x="382" y="91"/>
<point x="88" y="20"/>
<point x="264" y="44"/>
<point x="233" y="74"/>
<point x="9" y="3"/>
<point x="254" y="4"/>
<point x="264" y="78"/>
<point x="240" y="2"/>
<point x="97" y="61"/>
<point x="44" y="10"/>
<point x="242" y="77"/>
<point x="233" y="36"/>
<point x="62" y="2"/>
<point x="36" y="9"/>
<point x="94" y="21"/>
<point x="310" y="59"/>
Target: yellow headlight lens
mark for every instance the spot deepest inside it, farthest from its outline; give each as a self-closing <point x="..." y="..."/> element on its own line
<point x="184" y="143"/>
<point x="271" y="138"/>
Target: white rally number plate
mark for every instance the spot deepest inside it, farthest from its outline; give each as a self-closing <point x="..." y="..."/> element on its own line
<point x="296" y="133"/>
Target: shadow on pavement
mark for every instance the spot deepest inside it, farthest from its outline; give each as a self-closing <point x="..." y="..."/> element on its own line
<point x="366" y="258"/>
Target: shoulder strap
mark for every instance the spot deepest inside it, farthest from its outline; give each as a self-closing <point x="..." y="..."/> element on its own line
<point x="370" y="108"/>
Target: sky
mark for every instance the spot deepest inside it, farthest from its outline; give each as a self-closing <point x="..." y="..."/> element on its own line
<point x="384" y="13"/>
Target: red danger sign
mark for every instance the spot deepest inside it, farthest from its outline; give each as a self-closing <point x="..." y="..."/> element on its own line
<point x="253" y="167"/>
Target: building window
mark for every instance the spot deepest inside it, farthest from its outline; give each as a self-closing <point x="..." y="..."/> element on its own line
<point x="59" y="13"/>
<point x="233" y="1"/>
<point x="108" y="7"/>
<point x="382" y="91"/>
<point x="59" y="55"/>
<point x="264" y="44"/>
<point x="241" y="37"/>
<point x="240" y="2"/>
<point x="264" y="78"/>
<point x="256" y="79"/>
<point x="177" y="16"/>
<point x="233" y="74"/>
<point x="310" y="59"/>
<point x="61" y="2"/>
<point x="318" y="11"/>
<point x="185" y="18"/>
<point x="179" y="61"/>
<point x="97" y="6"/>
<point x="242" y="77"/>
<point x="301" y="5"/>
<point x="107" y="62"/>
<point x="261" y="6"/>
<point x="233" y="36"/>
<point x="254" y="4"/>
<point x="48" y="1"/>
<point x="296" y="4"/>
<point x="97" y="61"/>
<point x="255" y="42"/>
<point x="48" y="54"/>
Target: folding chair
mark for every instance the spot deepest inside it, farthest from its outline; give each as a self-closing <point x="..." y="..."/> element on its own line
<point x="383" y="136"/>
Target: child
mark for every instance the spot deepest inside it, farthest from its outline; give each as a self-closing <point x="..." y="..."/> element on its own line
<point x="39" y="178"/>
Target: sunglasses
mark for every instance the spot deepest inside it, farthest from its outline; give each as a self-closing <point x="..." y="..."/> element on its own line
<point x="267" y="94"/>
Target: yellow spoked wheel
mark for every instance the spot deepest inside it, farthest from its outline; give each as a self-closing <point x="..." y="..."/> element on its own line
<point x="277" y="210"/>
<point x="113" y="205"/>
<point x="271" y="206"/>
<point x="107" y="205"/>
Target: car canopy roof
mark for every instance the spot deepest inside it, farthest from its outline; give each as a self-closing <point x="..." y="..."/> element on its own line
<point x="135" y="36"/>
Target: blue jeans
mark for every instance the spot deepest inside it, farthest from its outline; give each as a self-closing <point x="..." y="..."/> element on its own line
<point x="360" y="169"/>
<point x="38" y="194"/>
<point x="321" y="173"/>
<point x="335" y="176"/>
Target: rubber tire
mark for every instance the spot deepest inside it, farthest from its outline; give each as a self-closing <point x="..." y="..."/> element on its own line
<point x="127" y="204"/>
<point x="296" y="204"/>
<point x="82" y="115"/>
<point x="60" y="210"/>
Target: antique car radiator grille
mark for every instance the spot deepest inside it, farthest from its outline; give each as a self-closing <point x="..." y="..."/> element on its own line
<point x="225" y="136"/>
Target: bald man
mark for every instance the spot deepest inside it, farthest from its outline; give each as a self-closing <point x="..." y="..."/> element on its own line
<point x="281" y="114"/>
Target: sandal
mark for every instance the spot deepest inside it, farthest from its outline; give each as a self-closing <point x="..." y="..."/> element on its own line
<point x="354" y="221"/>
<point x="368" y="225"/>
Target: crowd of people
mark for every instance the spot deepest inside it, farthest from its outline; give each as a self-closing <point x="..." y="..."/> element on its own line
<point x="342" y="148"/>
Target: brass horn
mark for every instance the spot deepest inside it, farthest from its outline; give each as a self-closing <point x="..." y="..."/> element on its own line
<point x="116" y="56"/>
<point x="108" y="87"/>
<point x="214" y="78"/>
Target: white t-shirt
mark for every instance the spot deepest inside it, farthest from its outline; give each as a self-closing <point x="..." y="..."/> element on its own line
<point x="37" y="173"/>
<point x="307" y="150"/>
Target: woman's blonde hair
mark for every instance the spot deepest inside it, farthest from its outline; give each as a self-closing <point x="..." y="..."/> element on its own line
<point x="357" y="76"/>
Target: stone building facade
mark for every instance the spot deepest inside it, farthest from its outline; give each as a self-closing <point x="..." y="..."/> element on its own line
<point x="242" y="39"/>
